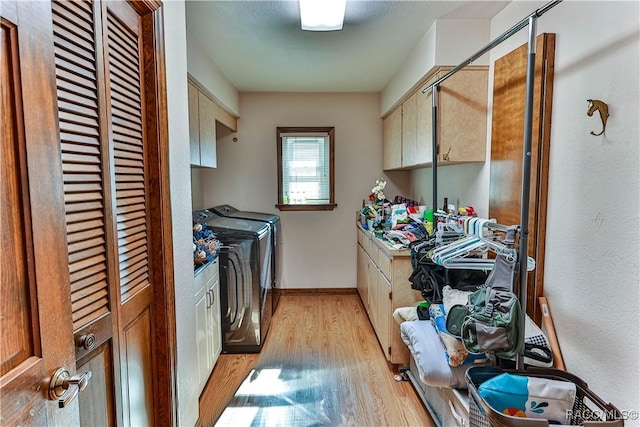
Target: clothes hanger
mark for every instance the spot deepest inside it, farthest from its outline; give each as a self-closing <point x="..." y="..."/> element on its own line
<point x="456" y="254"/>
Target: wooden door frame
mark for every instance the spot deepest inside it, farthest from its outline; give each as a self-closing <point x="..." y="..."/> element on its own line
<point x="161" y="269"/>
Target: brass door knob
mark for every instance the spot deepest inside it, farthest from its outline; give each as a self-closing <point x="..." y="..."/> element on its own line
<point x="64" y="387"/>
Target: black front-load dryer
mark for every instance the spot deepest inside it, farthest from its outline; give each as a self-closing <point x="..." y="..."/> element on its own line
<point x="276" y="239"/>
<point x="245" y="280"/>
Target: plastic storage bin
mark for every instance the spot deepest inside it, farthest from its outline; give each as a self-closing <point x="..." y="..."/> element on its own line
<point x="587" y="408"/>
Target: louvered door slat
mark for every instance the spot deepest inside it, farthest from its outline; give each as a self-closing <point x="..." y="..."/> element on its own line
<point x="125" y="88"/>
<point x="74" y="138"/>
<point x="65" y="32"/>
<point x="128" y="212"/>
<point x="81" y="158"/>
<point x="89" y="314"/>
<point x="77" y="117"/>
<point x="130" y="186"/>
<point x="79" y="227"/>
<point x="85" y="264"/>
<point x="88" y="273"/>
<point x="79" y="12"/>
<point x="78" y="285"/>
<point x="126" y="154"/>
<point x="76" y="61"/>
<point x="126" y="120"/>
<point x="64" y="76"/>
<point x="80" y="149"/>
<point x="123" y="194"/>
<point x="125" y="248"/>
<point x="79" y="129"/>
<point x="132" y="238"/>
<point x="66" y="45"/>
<point x="130" y="224"/>
<point x="129" y="217"/>
<point x="73" y="103"/>
<point x="78" y="91"/>
<point x="83" y="216"/>
<point x="82" y="187"/>
<point x="119" y="63"/>
<point x="125" y="143"/>
<point x="80" y="304"/>
<point x="132" y="256"/>
<point x="86" y="234"/>
<point x="87" y="252"/>
<point x="88" y="196"/>
<point x="77" y="247"/>
<point x="73" y="69"/>
<point x="118" y="104"/>
<point x="80" y="168"/>
<point x="84" y="293"/>
<point x="130" y="163"/>
<point x="132" y="100"/>
<point x="121" y="37"/>
<point x="88" y="177"/>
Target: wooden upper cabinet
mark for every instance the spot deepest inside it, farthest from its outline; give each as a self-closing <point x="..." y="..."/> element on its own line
<point x="462" y="118"/>
<point x="409" y="129"/>
<point x="207" y="119"/>
<point x="194" y="123"/>
<point x="202" y="129"/>
<point x="424" y="124"/>
<point x="204" y="113"/>
<point x="392" y="140"/>
<point x="462" y="122"/>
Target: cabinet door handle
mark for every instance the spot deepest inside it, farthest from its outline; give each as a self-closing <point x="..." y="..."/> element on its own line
<point x="210" y="298"/>
<point x="459" y="418"/>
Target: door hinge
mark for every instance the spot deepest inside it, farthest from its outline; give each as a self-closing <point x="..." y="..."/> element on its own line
<point x="389" y="350"/>
<point x="390" y="295"/>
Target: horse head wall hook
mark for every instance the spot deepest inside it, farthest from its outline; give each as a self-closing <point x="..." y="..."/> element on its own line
<point x="603" y="109"/>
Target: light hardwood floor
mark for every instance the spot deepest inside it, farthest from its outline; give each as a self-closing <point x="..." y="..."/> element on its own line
<point x="321" y="366"/>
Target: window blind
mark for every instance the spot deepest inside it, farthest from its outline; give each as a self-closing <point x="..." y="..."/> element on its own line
<point x="305" y="168"/>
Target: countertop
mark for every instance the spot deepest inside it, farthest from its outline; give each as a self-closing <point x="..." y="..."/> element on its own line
<point x="384" y="246"/>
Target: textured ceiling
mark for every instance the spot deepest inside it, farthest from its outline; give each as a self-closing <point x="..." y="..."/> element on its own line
<point x="259" y="45"/>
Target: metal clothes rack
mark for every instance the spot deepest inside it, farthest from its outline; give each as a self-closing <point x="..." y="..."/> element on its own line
<point x="523" y="243"/>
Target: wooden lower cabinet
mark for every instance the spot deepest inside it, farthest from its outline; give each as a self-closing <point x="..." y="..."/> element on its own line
<point x="383" y="285"/>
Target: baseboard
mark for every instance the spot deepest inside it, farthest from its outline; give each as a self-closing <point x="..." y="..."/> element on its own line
<point x="319" y="291"/>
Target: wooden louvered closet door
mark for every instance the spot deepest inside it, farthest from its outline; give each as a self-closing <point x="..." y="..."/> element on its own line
<point x="107" y="149"/>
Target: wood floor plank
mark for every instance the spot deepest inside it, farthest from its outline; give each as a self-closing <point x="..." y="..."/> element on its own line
<point x="321" y="366"/>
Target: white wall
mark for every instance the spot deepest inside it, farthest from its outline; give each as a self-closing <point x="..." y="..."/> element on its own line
<point x="319" y="247"/>
<point x="461" y="184"/>
<point x="448" y="42"/>
<point x="592" y="275"/>
<point x="176" y="67"/>
<point x="207" y="73"/>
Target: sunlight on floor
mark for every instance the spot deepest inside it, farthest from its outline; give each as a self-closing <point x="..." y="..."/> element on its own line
<point x="282" y="397"/>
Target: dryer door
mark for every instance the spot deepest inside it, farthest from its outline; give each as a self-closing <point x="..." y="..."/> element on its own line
<point x="235" y="292"/>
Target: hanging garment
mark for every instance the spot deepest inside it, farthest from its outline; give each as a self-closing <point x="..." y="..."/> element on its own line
<point x="491" y="319"/>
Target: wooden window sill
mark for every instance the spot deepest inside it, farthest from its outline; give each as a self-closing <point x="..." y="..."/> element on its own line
<point x="307" y="207"/>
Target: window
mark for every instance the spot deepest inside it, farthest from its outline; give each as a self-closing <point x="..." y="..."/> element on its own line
<point x="305" y="168"/>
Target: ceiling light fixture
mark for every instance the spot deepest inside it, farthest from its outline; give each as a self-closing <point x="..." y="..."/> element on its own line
<point x="322" y="15"/>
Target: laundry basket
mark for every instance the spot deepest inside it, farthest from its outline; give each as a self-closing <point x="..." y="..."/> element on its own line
<point x="587" y="407"/>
